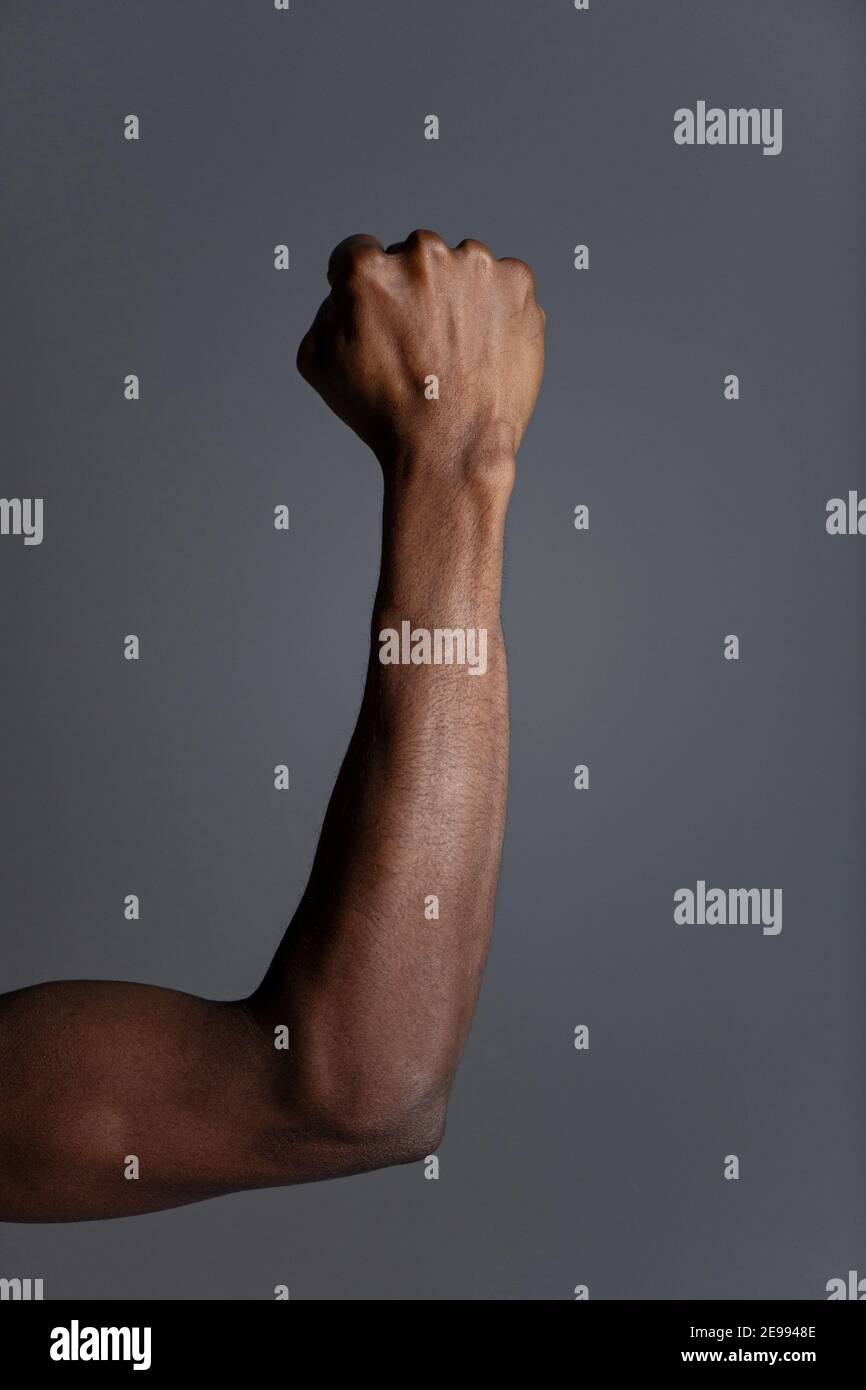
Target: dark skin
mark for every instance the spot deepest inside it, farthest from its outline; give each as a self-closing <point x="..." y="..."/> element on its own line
<point x="378" y="1000"/>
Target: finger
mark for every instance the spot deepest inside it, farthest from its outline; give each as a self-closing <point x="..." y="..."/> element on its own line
<point x="309" y="350"/>
<point x="343" y="252"/>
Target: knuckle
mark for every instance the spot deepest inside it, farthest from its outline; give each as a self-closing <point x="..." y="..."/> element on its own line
<point x="426" y="242"/>
<point x="347" y="252"/>
<point x="476" y="251"/>
<point x="360" y="268"/>
<point x="520" y="272"/>
<point x="364" y="261"/>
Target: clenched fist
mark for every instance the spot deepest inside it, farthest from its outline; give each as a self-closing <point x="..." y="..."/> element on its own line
<point x="428" y="351"/>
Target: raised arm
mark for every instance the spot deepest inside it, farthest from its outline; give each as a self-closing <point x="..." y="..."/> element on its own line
<point x="434" y="357"/>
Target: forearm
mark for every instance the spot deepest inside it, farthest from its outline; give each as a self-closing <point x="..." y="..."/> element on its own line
<point x="377" y="993"/>
<point x="376" y="988"/>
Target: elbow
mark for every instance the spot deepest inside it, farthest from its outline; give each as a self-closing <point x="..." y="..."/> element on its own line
<point x="376" y="1131"/>
<point x="416" y="1135"/>
<point x="361" y="1107"/>
<point x="398" y="1134"/>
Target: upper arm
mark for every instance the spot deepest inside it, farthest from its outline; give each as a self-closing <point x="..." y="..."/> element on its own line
<point x="119" y="1098"/>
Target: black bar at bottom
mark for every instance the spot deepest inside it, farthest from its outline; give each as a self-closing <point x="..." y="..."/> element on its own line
<point x="219" y="1338"/>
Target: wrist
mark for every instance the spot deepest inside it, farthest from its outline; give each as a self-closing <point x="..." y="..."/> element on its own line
<point x="443" y="535"/>
<point x="453" y="510"/>
<point x="473" y="466"/>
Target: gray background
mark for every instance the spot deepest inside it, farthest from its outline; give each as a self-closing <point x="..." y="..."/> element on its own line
<point x="707" y="517"/>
